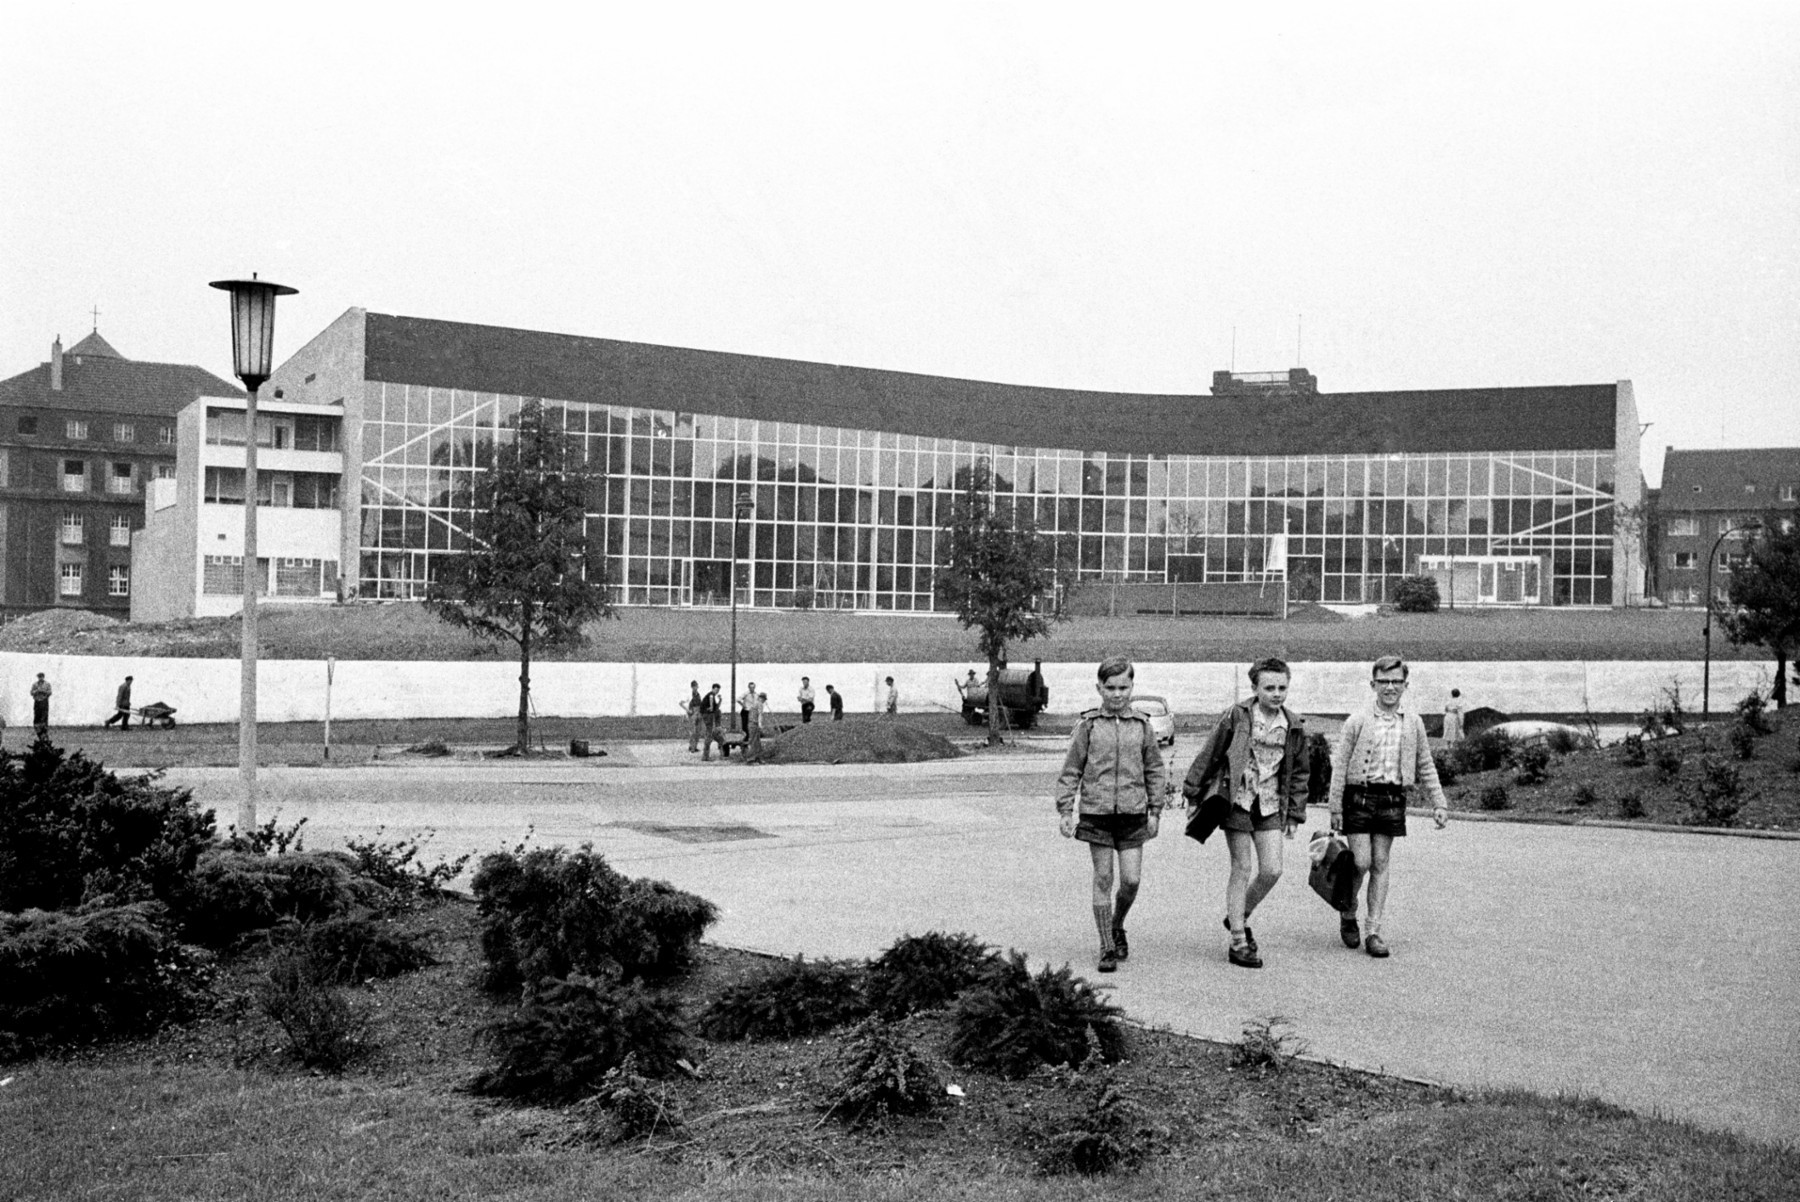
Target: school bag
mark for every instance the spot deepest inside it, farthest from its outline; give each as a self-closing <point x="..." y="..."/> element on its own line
<point x="1333" y="875"/>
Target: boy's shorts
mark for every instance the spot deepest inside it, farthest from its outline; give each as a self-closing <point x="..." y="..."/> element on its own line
<point x="1244" y="820"/>
<point x="1119" y="831"/>
<point x="1375" y="810"/>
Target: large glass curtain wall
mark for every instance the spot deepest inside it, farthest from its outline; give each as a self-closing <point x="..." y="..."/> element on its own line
<point x="848" y="518"/>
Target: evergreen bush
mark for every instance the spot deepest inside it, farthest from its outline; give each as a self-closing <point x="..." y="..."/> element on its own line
<point x="1485" y="752"/>
<point x="923" y="972"/>
<point x="1584" y="796"/>
<point x="1108" y="1132"/>
<point x="637" y="1106"/>
<point x="233" y="893"/>
<point x="1742" y="737"/>
<point x="549" y="913"/>
<point x="356" y="947"/>
<point x="559" y="1045"/>
<point x="397" y="867"/>
<point x="1012" y="1021"/>
<point x="879" y="1073"/>
<point x="100" y="972"/>
<point x="1631" y="805"/>
<point x="1268" y="1046"/>
<point x="1531" y="765"/>
<point x="1717" y="799"/>
<point x="1416" y="595"/>
<point x="1753" y="712"/>
<point x="1665" y="759"/>
<point x="1631" y="751"/>
<point x="1494" y="797"/>
<point x="70" y="831"/>
<point x="793" y="998"/>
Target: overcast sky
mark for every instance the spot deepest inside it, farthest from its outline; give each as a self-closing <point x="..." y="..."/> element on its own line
<point x="1393" y="196"/>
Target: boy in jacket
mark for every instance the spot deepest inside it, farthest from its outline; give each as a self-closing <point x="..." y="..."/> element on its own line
<point x="1255" y="759"/>
<point x="1381" y="755"/>
<point x="1110" y="796"/>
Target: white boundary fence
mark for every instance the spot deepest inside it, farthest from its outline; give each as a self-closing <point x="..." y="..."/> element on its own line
<point x="206" y="690"/>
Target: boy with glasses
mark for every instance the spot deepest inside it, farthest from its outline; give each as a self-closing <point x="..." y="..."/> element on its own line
<point x="1381" y="754"/>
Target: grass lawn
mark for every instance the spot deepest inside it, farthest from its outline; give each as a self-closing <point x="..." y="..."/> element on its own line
<point x="218" y="1110"/>
<point x="404" y="631"/>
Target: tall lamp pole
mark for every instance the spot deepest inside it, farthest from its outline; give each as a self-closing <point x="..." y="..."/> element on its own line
<point x="252" y="355"/>
<point x="742" y="508"/>
<point x="1706" y="630"/>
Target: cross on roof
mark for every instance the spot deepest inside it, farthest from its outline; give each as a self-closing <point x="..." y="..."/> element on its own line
<point x="96" y="319"/>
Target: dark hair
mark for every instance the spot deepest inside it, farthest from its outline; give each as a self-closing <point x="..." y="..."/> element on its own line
<point x="1112" y="665"/>
<point x="1456" y="692"/>
<point x="1268" y="663"/>
<point x="1388" y="663"/>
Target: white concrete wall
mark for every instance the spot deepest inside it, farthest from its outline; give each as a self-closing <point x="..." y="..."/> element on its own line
<point x="206" y="690"/>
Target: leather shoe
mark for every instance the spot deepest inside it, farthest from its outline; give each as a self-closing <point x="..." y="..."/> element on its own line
<point x="1249" y="939"/>
<point x="1376" y="946"/>
<point x="1121" y="946"/>
<point x="1243" y="957"/>
<point x="1349" y="932"/>
<point x="1109" y="961"/>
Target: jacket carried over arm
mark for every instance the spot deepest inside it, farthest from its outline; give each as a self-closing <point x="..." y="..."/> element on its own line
<point x="1416" y="765"/>
<point x="1226" y="752"/>
<point x="1113" y="766"/>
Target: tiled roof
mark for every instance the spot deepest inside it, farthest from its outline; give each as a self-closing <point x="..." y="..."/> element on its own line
<point x="114" y="385"/>
<point x="93" y="344"/>
<point x="1718" y="479"/>
<point x="415" y="350"/>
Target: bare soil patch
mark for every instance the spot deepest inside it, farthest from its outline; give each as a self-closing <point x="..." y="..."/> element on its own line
<point x="881" y="742"/>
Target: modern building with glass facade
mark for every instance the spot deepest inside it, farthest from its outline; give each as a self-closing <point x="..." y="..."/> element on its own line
<point x="1507" y="494"/>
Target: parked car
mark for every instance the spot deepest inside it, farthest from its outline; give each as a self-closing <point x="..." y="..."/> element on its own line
<point x="1526" y="731"/>
<point x="1162" y="718"/>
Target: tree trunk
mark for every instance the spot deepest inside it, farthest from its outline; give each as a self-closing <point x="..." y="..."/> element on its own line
<point x="525" y="683"/>
<point x="1779" y="693"/>
<point x="993" y="691"/>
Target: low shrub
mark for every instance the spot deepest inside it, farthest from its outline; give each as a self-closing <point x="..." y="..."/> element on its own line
<point x="397" y="866"/>
<point x="548" y="914"/>
<point x="357" y="948"/>
<point x="70" y="831"/>
<point x="233" y="893"/>
<point x="94" y="974"/>
<point x="793" y="998"/>
<point x="879" y="1073"/>
<point x="561" y="1043"/>
<point x="1753" y="712"/>
<point x="637" y="1107"/>
<point x="1485" y="752"/>
<point x="324" y="1030"/>
<point x="1532" y="765"/>
<point x="1631" y="751"/>
<point x="1562" y="741"/>
<point x="1742" y="737"/>
<point x="1268" y="1045"/>
<point x="1012" y="1021"/>
<point x="1717" y="795"/>
<point x="1494" y="797"/>
<point x="1416" y="595"/>
<point x="269" y="839"/>
<point x="1631" y="805"/>
<point x="1108" y="1132"/>
<point x="1665" y="760"/>
<point x="922" y="972"/>
<point x="1584" y="796"/>
<point x="1446" y="763"/>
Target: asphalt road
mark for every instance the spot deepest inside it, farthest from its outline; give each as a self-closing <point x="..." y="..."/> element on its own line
<point x="1657" y="970"/>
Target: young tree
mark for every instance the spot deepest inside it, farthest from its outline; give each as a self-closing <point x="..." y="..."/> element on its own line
<point x="996" y="570"/>
<point x="1765" y="595"/>
<point x="530" y="573"/>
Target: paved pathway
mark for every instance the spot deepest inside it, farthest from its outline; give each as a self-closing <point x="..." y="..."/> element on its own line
<point x="1660" y="971"/>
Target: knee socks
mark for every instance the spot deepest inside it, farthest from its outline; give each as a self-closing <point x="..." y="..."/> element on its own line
<point x="1103" y="921"/>
<point x="1122" y="903"/>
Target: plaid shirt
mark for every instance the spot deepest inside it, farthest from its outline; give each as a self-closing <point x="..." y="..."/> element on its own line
<point x="1257" y="788"/>
<point x="1381" y="749"/>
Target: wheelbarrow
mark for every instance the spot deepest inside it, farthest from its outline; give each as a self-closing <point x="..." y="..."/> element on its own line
<point x="157" y="714"/>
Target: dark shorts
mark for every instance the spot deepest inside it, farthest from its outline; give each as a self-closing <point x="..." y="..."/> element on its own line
<point x="1120" y="831"/>
<point x="1244" y="820"/>
<point x="1374" y="811"/>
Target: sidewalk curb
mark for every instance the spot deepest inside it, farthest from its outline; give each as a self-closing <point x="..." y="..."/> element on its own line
<point x="1622" y="824"/>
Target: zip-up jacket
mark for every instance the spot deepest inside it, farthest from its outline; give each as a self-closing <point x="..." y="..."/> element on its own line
<point x="1113" y="766"/>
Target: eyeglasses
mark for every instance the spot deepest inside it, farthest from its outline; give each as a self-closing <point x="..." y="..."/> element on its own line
<point x="1390" y="684"/>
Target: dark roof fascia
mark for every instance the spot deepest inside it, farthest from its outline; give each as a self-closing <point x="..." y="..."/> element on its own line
<point x="443" y="354"/>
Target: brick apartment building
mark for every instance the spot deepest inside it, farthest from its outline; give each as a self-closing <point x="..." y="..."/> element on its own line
<point x="1706" y="496"/>
<point x="80" y="437"/>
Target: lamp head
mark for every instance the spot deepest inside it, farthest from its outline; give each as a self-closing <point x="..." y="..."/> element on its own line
<point x="252" y="327"/>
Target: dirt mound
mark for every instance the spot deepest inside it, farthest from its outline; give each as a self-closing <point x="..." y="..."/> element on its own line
<point x="55" y="630"/>
<point x="872" y="742"/>
<point x="1312" y="611"/>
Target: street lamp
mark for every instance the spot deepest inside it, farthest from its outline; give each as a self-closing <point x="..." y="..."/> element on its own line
<point x="252" y="355"/>
<point x="1706" y="630"/>
<point x="743" y="509"/>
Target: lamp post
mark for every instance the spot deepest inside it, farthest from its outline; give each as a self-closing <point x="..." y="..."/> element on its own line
<point x="743" y="508"/>
<point x="1706" y="630"/>
<point x="252" y="355"/>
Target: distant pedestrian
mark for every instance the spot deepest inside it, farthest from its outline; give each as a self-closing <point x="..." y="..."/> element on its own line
<point x="753" y="726"/>
<point x="837" y="703"/>
<point x="744" y="703"/>
<point x="805" y="697"/>
<point x="1381" y="754"/>
<point x="695" y="725"/>
<point x="40" y="704"/>
<point x="893" y="698"/>
<point x="1256" y="759"/>
<point x="1109" y="795"/>
<point x="711" y="706"/>
<point x="121" y="707"/>
<point x="1453" y="718"/>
